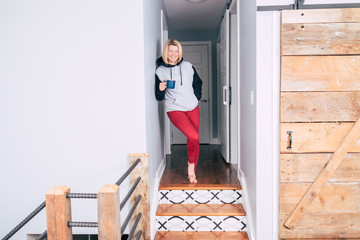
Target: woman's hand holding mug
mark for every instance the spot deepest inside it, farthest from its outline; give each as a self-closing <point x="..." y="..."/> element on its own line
<point x="162" y="85"/>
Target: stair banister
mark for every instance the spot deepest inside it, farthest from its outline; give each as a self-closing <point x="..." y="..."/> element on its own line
<point x="58" y="204"/>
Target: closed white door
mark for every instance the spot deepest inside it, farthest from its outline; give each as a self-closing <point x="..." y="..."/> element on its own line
<point x="198" y="56"/>
<point x="224" y="79"/>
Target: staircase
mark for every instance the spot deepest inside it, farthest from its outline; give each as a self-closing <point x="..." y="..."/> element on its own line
<point x="200" y="212"/>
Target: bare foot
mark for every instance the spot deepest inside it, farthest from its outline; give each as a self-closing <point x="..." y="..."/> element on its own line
<point x="191" y="173"/>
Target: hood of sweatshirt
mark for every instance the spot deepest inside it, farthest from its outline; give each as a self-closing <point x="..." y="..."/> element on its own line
<point x="160" y="62"/>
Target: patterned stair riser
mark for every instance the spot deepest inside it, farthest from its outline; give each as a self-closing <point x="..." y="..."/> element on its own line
<point x="199" y="223"/>
<point x="200" y="196"/>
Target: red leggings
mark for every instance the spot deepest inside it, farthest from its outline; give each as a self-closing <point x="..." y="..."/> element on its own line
<point x="188" y="124"/>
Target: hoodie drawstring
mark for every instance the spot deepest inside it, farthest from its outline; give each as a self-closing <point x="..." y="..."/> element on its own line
<point x="180" y="74"/>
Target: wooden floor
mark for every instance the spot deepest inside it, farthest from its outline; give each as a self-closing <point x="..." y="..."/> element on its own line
<point x="212" y="171"/>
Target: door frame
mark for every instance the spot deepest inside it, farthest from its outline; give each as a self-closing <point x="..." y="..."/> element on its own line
<point x="268" y="107"/>
<point x="224" y="87"/>
<point x="163" y="39"/>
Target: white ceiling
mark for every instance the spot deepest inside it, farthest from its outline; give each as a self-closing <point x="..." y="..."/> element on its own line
<point x="184" y="15"/>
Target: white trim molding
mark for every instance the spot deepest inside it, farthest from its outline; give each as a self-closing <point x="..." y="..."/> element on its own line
<point x="276" y="66"/>
<point x="246" y="205"/>
<point x="155" y="200"/>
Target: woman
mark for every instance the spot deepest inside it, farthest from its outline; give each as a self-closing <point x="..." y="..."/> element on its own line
<point x="181" y="102"/>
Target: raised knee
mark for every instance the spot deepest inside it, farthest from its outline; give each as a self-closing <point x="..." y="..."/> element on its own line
<point x="194" y="138"/>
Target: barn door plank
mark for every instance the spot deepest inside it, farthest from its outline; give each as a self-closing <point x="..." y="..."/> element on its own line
<point x="334" y="197"/>
<point x="320" y="73"/>
<point x="314" y="137"/>
<point x="320" y="39"/>
<point x="324" y="225"/>
<point x="304" y="168"/>
<point x="320" y="106"/>
<point x="324" y="175"/>
<point x="323" y="16"/>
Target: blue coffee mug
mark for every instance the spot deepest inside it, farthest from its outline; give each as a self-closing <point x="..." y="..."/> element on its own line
<point x="170" y="84"/>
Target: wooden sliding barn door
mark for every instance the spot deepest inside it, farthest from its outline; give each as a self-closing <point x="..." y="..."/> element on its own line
<point x="320" y="134"/>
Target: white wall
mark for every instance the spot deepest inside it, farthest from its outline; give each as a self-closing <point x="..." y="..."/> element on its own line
<point x="72" y="101"/>
<point x="154" y="114"/>
<point x="267" y="130"/>
<point x="154" y="110"/>
<point x="247" y="110"/>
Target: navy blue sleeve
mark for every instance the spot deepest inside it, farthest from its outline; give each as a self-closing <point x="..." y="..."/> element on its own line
<point x="160" y="95"/>
<point x="197" y="83"/>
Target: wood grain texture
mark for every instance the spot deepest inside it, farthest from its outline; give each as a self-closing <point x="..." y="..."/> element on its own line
<point x="200" y="210"/>
<point x="58" y="213"/>
<point x="315" y="137"/>
<point x="320" y="81"/>
<point x="143" y="189"/>
<point x="344" y="147"/>
<point x="201" y="236"/>
<point x="212" y="171"/>
<point x="296" y="168"/>
<point x="334" y="197"/>
<point x="320" y="39"/>
<point x="321" y="15"/>
<point x="319" y="106"/>
<point x="323" y="225"/>
<point x="108" y="201"/>
<point x="320" y="73"/>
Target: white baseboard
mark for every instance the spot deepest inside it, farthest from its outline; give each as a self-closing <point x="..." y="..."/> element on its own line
<point x="155" y="201"/>
<point x="246" y="205"/>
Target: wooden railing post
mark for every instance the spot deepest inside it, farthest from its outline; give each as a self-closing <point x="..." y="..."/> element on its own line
<point x="142" y="170"/>
<point x="109" y="213"/>
<point x="58" y="214"/>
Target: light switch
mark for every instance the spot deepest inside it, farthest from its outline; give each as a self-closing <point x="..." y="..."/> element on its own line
<point x="251" y="97"/>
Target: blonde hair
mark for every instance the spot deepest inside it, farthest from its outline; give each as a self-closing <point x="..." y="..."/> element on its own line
<point x="168" y="43"/>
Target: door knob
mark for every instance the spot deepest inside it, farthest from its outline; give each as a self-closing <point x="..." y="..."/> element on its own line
<point x="203" y="100"/>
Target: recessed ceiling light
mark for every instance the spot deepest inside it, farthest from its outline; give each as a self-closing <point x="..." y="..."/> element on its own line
<point x="195" y="1"/>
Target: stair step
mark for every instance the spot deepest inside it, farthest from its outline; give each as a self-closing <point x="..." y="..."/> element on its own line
<point x="200" y="186"/>
<point x="201" y="223"/>
<point x="201" y="235"/>
<point x="217" y="196"/>
<point x="200" y="210"/>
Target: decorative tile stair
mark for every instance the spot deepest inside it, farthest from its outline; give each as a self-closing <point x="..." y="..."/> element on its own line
<point x="201" y="214"/>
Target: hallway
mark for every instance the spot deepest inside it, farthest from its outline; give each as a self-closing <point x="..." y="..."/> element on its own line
<point x="212" y="171"/>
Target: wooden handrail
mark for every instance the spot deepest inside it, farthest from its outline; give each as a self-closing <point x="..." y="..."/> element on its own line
<point x="58" y="206"/>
